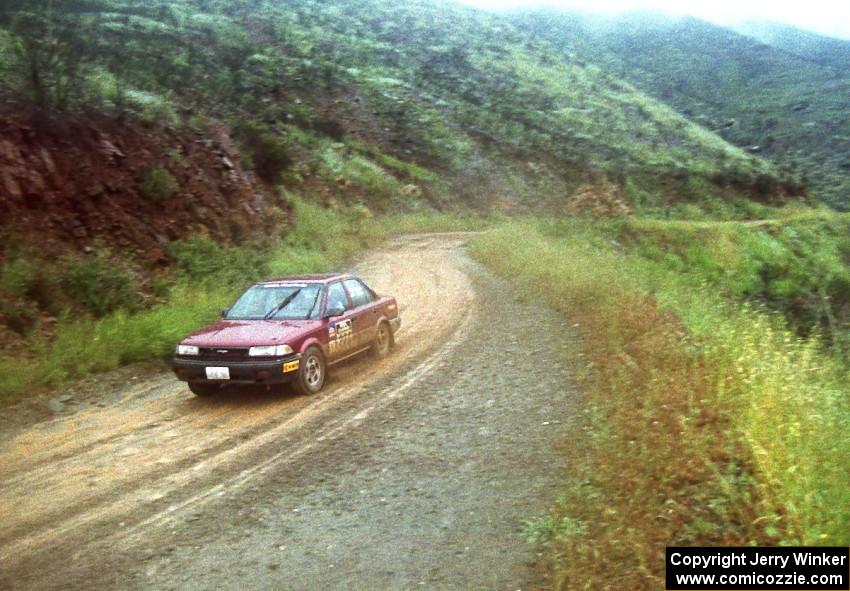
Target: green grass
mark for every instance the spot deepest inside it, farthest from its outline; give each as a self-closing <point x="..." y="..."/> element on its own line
<point x="33" y="286"/>
<point x="796" y="264"/>
<point x="82" y="347"/>
<point x="408" y="169"/>
<point x="337" y="166"/>
<point x="707" y="422"/>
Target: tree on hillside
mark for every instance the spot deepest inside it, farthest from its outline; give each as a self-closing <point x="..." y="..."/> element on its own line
<point x="47" y="53"/>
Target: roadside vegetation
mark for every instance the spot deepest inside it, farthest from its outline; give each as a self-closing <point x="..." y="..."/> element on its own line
<point x="709" y="421"/>
<point x="102" y="322"/>
<point x="797" y="264"/>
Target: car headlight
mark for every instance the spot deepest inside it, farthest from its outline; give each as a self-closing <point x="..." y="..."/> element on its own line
<point x="187" y="350"/>
<point x="270" y="351"/>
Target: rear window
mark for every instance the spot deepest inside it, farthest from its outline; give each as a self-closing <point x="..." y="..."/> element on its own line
<point x="360" y="295"/>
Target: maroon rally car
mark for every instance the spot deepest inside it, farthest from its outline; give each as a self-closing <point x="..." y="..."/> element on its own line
<point x="288" y="330"/>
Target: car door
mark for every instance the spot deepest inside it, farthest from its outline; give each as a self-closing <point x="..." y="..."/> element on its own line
<point x="340" y="328"/>
<point x="366" y="313"/>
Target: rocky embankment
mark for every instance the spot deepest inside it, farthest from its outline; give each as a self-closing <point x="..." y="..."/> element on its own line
<point x="83" y="184"/>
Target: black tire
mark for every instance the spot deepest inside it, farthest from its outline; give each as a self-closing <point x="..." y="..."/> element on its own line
<point x="202" y="389"/>
<point x="383" y="341"/>
<point x="311" y="373"/>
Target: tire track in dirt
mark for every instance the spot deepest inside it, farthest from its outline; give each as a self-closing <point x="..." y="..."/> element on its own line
<point x="428" y="489"/>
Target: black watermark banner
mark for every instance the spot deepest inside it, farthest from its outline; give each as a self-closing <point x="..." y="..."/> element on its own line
<point x="762" y="569"/>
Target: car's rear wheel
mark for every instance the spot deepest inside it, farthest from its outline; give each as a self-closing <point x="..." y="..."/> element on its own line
<point x="202" y="389"/>
<point x="383" y="341"/>
<point x="311" y="373"/>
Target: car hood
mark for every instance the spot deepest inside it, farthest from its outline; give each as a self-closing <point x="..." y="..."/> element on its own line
<point x="247" y="333"/>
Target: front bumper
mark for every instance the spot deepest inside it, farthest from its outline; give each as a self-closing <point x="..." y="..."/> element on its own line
<point x="254" y="371"/>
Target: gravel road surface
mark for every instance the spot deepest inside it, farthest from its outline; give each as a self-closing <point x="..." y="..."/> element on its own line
<point x="414" y="472"/>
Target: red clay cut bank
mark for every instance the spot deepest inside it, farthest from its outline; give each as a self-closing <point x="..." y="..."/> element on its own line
<point x="288" y="330"/>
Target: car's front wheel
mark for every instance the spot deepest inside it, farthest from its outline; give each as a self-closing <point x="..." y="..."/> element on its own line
<point x="202" y="389"/>
<point x="311" y="373"/>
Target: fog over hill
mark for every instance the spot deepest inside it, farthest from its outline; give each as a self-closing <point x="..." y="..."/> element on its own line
<point x="821" y="49"/>
<point x="785" y="94"/>
<point x="818" y="17"/>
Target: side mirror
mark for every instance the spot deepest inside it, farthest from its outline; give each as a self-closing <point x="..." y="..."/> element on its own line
<point x="224" y="312"/>
<point x="335" y="310"/>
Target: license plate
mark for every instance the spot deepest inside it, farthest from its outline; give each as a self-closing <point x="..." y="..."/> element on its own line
<point x="218" y="373"/>
<point x="291" y="366"/>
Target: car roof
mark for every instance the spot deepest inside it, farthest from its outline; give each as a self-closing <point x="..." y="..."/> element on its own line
<point x="315" y="278"/>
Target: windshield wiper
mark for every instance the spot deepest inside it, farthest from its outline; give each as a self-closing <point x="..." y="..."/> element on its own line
<point x="315" y="301"/>
<point x="283" y="304"/>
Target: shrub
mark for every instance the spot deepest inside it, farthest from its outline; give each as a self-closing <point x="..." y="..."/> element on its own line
<point x="29" y="279"/>
<point x="365" y="173"/>
<point x="268" y="153"/>
<point x="19" y="276"/>
<point x="356" y="169"/>
<point x="202" y="261"/>
<point x="407" y="169"/>
<point x="329" y="127"/>
<point x="99" y="286"/>
<point x="158" y="184"/>
<point x="18" y="314"/>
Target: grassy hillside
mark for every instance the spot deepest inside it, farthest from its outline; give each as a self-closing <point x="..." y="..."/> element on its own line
<point x="388" y="100"/>
<point x="789" y="102"/>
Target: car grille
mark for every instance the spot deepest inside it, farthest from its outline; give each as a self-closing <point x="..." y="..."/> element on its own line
<point x="223" y="353"/>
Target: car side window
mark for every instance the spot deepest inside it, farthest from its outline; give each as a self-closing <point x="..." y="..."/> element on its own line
<point x="337" y="295"/>
<point x="360" y="296"/>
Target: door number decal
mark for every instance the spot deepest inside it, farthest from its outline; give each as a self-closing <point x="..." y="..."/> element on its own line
<point x="339" y="335"/>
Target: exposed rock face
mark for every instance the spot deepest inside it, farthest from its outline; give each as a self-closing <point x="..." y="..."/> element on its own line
<point x="78" y="186"/>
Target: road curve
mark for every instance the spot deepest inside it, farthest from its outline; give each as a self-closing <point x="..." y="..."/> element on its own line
<point x="416" y="471"/>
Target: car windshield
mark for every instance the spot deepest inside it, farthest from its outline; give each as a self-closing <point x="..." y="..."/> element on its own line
<point x="277" y="301"/>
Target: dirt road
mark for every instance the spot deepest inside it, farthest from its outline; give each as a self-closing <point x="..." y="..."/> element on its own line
<point x="415" y="472"/>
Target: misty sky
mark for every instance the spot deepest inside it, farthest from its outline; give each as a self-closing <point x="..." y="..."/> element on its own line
<point x="829" y="17"/>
